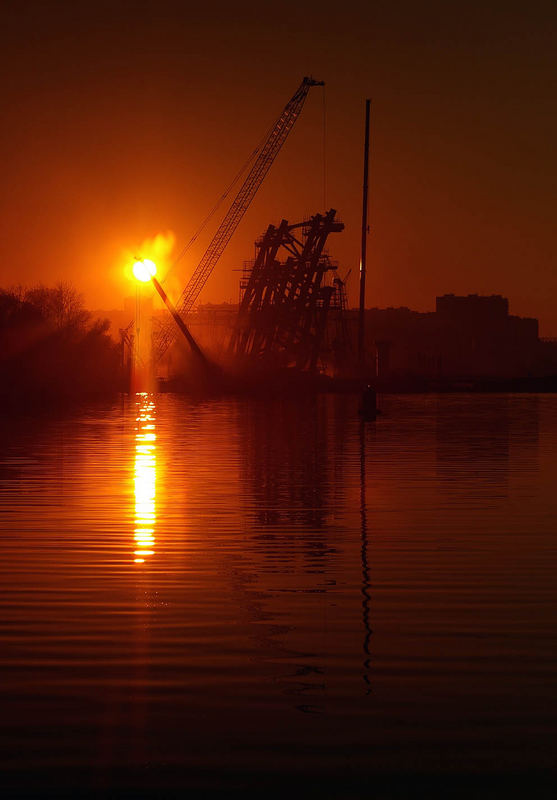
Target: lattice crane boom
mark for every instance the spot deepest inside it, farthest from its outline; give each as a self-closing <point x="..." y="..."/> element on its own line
<point x="253" y="181"/>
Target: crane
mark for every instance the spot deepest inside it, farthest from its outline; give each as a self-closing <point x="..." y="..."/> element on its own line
<point x="253" y="181"/>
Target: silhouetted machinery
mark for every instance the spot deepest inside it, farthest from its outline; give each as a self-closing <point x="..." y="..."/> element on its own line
<point x="267" y="154"/>
<point x="284" y="306"/>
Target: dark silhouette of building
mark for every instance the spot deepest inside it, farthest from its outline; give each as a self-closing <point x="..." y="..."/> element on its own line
<point x="465" y="338"/>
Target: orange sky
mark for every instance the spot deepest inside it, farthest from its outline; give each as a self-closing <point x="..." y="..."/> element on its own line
<point x="128" y="119"/>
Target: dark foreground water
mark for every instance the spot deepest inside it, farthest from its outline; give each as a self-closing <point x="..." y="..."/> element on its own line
<point x="200" y="598"/>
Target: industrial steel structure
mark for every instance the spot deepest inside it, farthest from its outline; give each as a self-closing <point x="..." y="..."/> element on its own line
<point x="284" y="304"/>
<point x="253" y="181"/>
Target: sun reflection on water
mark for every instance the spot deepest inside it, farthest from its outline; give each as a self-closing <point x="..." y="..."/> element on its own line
<point x="145" y="478"/>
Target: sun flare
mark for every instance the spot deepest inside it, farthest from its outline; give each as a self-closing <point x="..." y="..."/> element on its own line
<point x="144" y="270"/>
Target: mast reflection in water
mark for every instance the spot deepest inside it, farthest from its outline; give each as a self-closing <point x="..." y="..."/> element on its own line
<point x="145" y="478"/>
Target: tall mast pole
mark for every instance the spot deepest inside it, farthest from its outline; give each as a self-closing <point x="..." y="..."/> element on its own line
<point x="361" y="325"/>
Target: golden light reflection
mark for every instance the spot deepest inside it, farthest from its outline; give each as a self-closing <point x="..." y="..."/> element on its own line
<point x="145" y="478"/>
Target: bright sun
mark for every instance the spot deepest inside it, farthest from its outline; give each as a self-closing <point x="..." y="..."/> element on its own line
<point x="144" y="270"/>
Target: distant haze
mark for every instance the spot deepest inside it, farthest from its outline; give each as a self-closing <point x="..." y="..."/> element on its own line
<point x="126" y="120"/>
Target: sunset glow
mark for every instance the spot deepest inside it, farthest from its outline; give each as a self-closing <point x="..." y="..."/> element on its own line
<point x="144" y="270"/>
<point x="278" y="397"/>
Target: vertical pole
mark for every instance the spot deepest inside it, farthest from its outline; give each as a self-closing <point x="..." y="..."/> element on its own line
<point x="137" y="341"/>
<point x="361" y="325"/>
<point x="324" y="151"/>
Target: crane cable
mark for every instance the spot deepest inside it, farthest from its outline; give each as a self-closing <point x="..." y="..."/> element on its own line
<point x="251" y="158"/>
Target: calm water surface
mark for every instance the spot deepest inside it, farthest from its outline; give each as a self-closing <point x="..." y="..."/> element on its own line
<point x="250" y="594"/>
